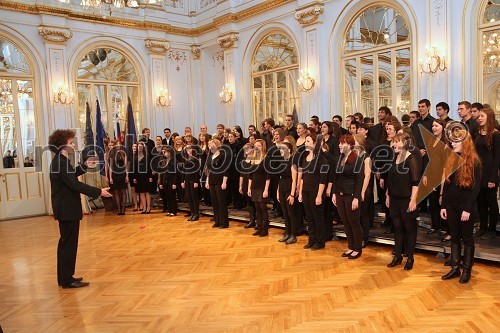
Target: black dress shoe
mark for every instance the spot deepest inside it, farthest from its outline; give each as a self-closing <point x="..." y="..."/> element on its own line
<point x="264" y="233"/>
<point x="308" y="245"/>
<point x="396" y="260"/>
<point x="78" y="279"/>
<point x="345" y="255"/>
<point x="215" y="225"/>
<point x="409" y="264"/>
<point x="317" y="247"/>
<point x="195" y="218"/>
<point x="284" y="239"/>
<point x="291" y="240"/>
<point x="223" y="226"/>
<point x="76" y="284"/>
<point x="355" y="256"/>
<point x="257" y="233"/>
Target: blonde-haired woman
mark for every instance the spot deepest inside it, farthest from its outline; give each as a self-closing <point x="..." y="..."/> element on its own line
<point x="258" y="188"/>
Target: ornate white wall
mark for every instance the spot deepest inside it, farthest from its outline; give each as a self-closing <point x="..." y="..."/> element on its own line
<point x="194" y="79"/>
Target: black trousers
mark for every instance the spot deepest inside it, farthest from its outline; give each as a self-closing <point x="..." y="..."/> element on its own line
<point x="219" y="205"/>
<point x="328" y="207"/>
<point x="315" y="217"/>
<point x="193" y="199"/>
<point x="460" y="230"/>
<point x="405" y="226"/>
<point x="207" y="200"/>
<point x="435" y="210"/>
<point x="233" y="192"/>
<point x="351" y="220"/>
<point x="66" y="251"/>
<point x="171" y="199"/>
<point x="289" y="213"/>
<point x="488" y="208"/>
<point x="367" y="208"/>
<point x="250" y="207"/>
<point x="261" y="215"/>
<point x="164" y="198"/>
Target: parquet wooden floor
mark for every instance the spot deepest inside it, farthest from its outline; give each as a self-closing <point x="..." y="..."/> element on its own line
<point x="151" y="273"/>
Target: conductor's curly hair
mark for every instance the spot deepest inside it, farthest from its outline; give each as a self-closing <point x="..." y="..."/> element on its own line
<point x="59" y="138"/>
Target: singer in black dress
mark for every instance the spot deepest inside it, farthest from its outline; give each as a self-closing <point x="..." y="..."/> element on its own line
<point x="314" y="171"/>
<point x="218" y="166"/>
<point x="402" y="181"/>
<point x="459" y="202"/>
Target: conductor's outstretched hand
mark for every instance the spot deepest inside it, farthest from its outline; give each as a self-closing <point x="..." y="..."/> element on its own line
<point x="105" y="193"/>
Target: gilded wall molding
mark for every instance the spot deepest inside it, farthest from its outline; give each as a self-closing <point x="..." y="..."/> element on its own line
<point x="142" y="24"/>
<point x="157" y="46"/>
<point x="54" y="34"/>
<point x="309" y="15"/>
<point x="196" y="52"/>
<point x="228" y="40"/>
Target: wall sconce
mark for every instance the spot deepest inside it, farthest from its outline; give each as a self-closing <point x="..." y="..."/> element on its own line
<point x="305" y="81"/>
<point x="226" y="95"/>
<point x="164" y="99"/>
<point x="433" y="61"/>
<point x="62" y="95"/>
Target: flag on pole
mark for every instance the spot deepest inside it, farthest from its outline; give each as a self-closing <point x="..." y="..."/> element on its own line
<point x="100" y="136"/>
<point x="130" y="133"/>
<point x="117" y="124"/>
<point x="89" y="135"/>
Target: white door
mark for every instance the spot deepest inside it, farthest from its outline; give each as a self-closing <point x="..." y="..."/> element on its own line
<point x="21" y="185"/>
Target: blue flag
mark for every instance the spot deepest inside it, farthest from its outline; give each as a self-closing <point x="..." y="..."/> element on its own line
<point x="100" y="136"/>
<point x="130" y="133"/>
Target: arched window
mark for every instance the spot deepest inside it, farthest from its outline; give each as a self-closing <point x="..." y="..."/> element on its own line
<point x="107" y="75"/>
<point x="376" y="60"/>
<point x="489" y="28"/>
<point x="17" y="107"/>
<point x="274" y="76"/>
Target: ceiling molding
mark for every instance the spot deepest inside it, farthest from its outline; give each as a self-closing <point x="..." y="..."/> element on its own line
<point x="142" y="24"/>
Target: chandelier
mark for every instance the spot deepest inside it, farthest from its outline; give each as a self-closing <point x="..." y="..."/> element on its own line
<point x="491" y="52"/>
<point x="103" y="6"/>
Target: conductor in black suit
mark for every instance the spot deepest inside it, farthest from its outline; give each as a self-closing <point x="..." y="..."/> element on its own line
<point x="66" y="203"/>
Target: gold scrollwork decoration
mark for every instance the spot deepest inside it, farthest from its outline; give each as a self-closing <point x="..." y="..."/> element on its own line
<point x="196" y="51"/>
<point x="54" y="34"/>
<point x="157" y="46"/>
<point x="309" y="17"/>
<point x="227" y="41"/>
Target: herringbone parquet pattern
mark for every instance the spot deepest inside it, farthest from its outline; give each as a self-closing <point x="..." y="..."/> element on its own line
<point x="150" y="273"/>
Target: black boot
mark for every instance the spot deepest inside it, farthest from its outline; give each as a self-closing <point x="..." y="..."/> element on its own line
<point x="250" y="224"/>
<point x="468" y="262"/>
<point x="396" y="260"/>
<point x="456" y="250"/>
<point x="265" y="229"/>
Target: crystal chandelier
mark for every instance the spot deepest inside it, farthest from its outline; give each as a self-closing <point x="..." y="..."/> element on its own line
<point x="103" y="6"/>
<point x="491" y="52"/>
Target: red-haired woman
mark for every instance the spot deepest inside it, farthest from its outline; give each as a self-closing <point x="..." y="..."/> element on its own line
<point x="402" y="181"/>
<point x="488" y="149"/>
<point x="347" y="186"/>
<point x="459" y="202"/>
<point x="258" y="187"/>
<point x="312" y="190"/>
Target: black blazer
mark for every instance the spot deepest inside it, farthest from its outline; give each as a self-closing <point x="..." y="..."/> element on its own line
<point x="66" y="189"/>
